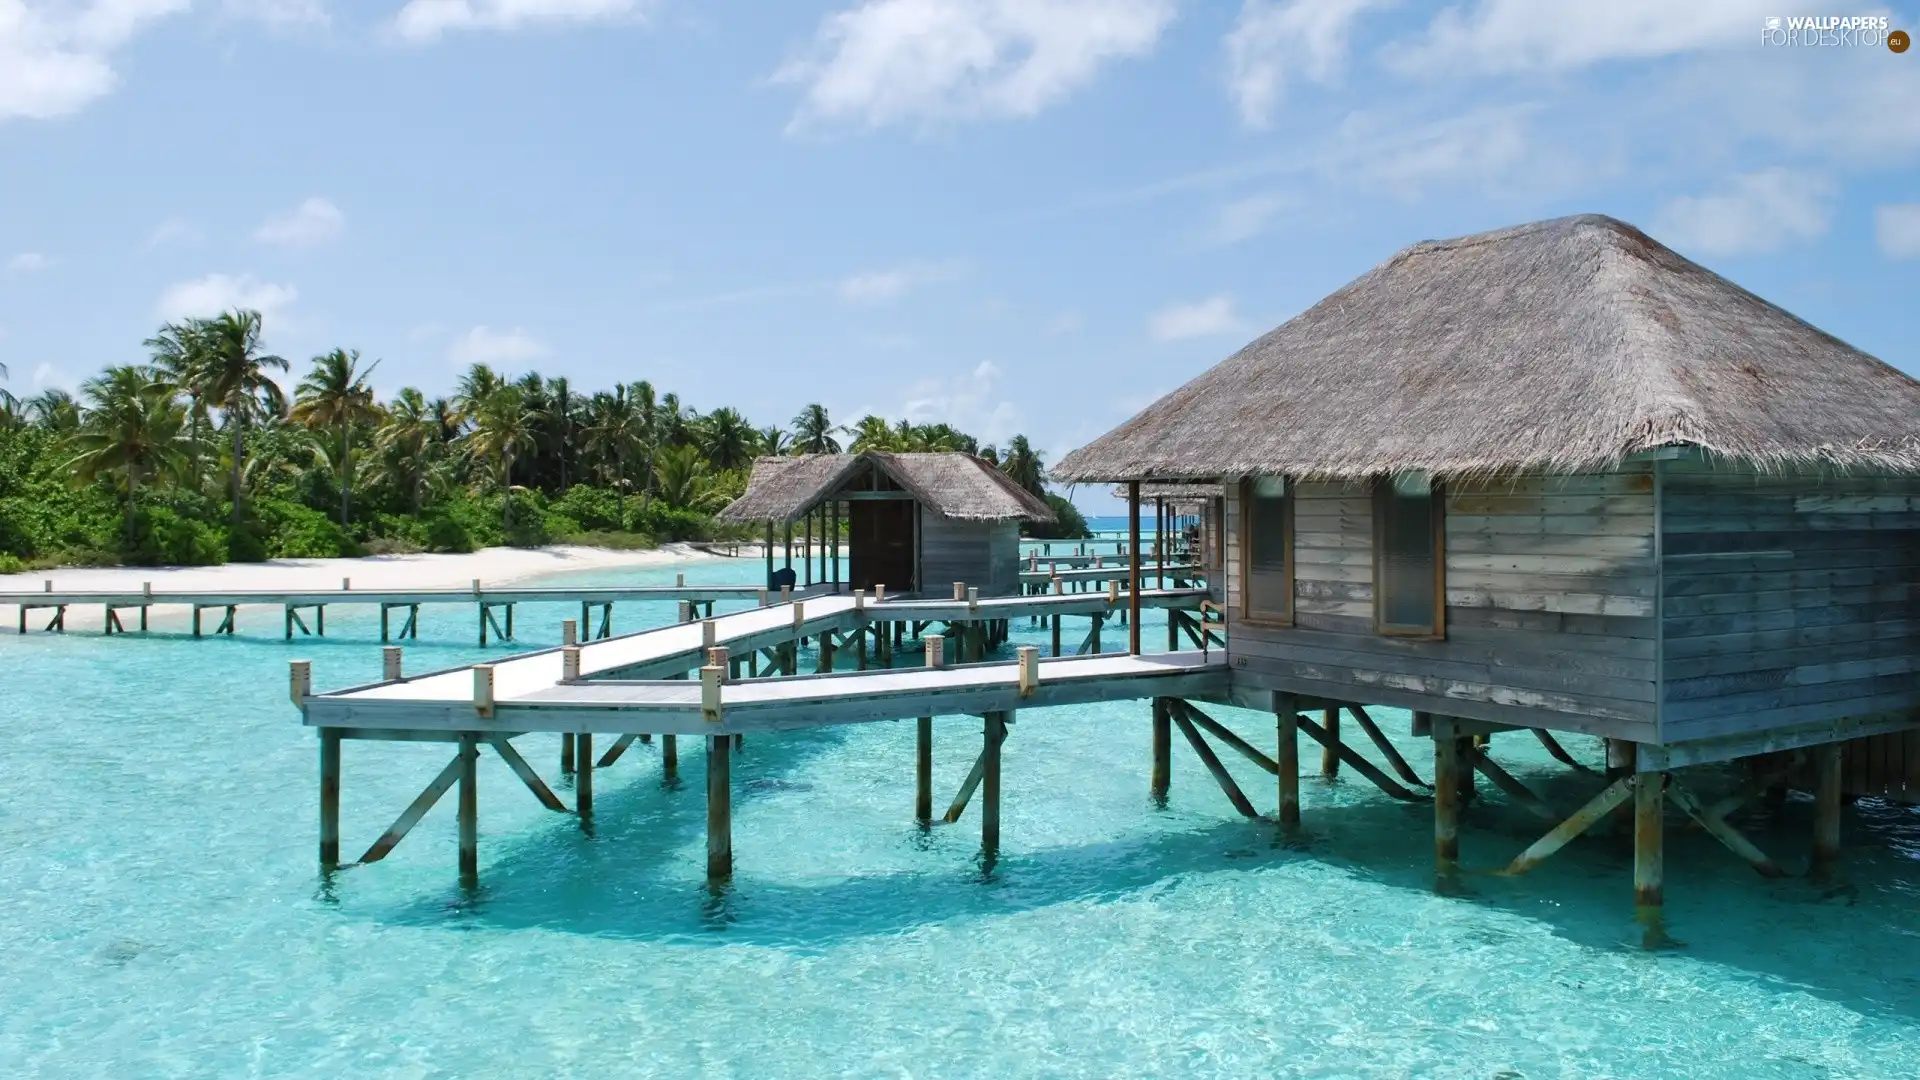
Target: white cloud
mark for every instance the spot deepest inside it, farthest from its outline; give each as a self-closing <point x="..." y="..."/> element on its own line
<point x="888" y="61"/>
<point x="216" y="293"/>
<point x="1897" y="227"/>
<point x="55" y="56"/>
<point x="170" y="230"/>
<point x="971" y="403"/>
<point x="1243" y="219"/>
<point x="280" y="14"/>
<point x="483" y="345"/>
<point x="1273" y="42"/>
<point x="876" y="286"/>
<point x="45" y="375"/>
<point x="1064" y="323"/>
<point x="313" y="223"/>
<point x="426" y="20"/>
<point x="1499" y="36"/>
<point x="26" y="262"/>
<point x="1202" y="318"/>
<point x="1752" y="214"/>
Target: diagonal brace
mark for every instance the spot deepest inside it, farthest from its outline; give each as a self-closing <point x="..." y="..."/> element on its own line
<point x="1360" y="765"/>
<point x="527" y="776"/>
<point x="1212" y="761"/>
<point x="413" y="813"/>
<point x="1563" y="834"/>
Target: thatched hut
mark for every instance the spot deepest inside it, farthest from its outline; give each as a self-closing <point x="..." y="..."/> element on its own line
<point x="1558" y="476"/>
<point x="914" y="522"/>
<point x="1188" y="521"/>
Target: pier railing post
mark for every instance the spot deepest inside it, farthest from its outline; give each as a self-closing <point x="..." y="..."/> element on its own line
<point x="390" y="659"/>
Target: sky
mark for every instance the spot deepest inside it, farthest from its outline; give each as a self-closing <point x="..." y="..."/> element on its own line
<point x="1016" y="216"/>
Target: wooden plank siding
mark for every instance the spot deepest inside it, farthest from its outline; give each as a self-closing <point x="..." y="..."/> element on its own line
<point x="1790" y="598"/>
<point x="983" y="554"/>
<point x="1551" y="598"/>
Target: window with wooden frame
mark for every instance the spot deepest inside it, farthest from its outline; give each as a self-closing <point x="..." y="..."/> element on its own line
<point x="1266" y="550"/>
<point x="1409" y="560"/>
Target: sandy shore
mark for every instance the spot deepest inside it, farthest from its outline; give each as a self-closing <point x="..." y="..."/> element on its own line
<point x="493" y="566"/>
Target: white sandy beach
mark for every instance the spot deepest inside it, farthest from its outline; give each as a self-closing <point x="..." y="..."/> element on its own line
<point x="493" y="566"/>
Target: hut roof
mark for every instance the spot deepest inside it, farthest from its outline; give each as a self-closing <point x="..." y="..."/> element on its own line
<point x="956" y="486"/>
<point x="1180" y="493"/>
<point x="1559" y="346"/>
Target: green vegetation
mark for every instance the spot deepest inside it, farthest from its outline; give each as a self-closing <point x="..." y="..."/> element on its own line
<point x="198" y="456"/>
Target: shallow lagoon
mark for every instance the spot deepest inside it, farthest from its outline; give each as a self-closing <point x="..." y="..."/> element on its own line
<point x="161" y="913"/>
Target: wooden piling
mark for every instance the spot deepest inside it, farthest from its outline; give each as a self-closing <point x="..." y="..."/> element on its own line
<point x="1162" y="752"/>
<point x="1649" y="855"/>
<point x="1330" y="752"/>
<point x="329" y="799"/>
<point x="719" y="807"/>
<point x="1287" y="759"/>
<point x="566" y="753"/>
<point x="994" y="734"/>
<point x="1133" y="572"/>
<point x="1446" y="796"/>
<point x="583" y="779"/>
<point x="1827" y="762"/>
<point x="923" y="771"/>
<point x="469" y="810"/>
<point x="669" y="757"/>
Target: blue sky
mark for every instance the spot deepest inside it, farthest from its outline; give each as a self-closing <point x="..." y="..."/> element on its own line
<point x="1014" y="215"/>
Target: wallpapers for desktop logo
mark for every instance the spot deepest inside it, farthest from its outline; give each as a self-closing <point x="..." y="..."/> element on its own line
<point x="1837" y="31"/>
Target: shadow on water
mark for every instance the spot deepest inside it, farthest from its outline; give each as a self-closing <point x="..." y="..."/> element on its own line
<point x="1857" y="945"/>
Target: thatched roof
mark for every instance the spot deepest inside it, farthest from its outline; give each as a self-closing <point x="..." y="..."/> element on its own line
<point x="957" y="486"/>
<point x="1181" y="494"/>
<point x="1559" y="346"/>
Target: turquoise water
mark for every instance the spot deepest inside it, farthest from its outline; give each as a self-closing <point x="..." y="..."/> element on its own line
<point x="161" y="914"/>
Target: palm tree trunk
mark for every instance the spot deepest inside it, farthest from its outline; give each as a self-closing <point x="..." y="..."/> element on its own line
<point x="133" y="487"/>
<point x="646" y="482"/>
<point x="238" y="450"/>
<point x="346" y="474"/>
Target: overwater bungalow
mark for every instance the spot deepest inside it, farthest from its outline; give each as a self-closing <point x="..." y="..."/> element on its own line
<point x="1558" y="477"/>
<point x="914" y="522"/>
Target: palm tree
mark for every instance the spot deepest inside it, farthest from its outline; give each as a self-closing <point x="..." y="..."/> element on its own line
<point x="7" y="400"/>
<point x="561" y="416"/>
<point x="474" y="387"/>
<point x="614" y="431"/>
<point x="872" y="433"/>
<point x="132" y="429"/>
<point x="410" y="436"/>
<point x="648" y="408"/>
<point x="685" y="482"/>
<point x="813" y="432"/>
<point x="727" y="439"/>
<point x="772" y="440"/>
<point x="232" y="374"/>
<point x="335" y="395"/>
<point x="1023" y="466"/>
<point x="179" y="355"/>
<point x="54" y="410"/>
<point x="503" y="429"/>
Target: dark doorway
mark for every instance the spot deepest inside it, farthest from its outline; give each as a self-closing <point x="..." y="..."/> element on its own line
<point x="880" y="542"/>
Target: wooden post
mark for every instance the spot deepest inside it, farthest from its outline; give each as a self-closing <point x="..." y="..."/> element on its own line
<point x="1827" y="760"/>
<point x="1162" y="752"/>
<point x="583" y="782"/>
<point x="390" y="659"/>
<point x="834" y="539"/>
<point x="469" y="810"/>
<point x="1649" y="856"/>
<point x="719" y="807"/>
<point x="769" y="547"/>
<point x="1446" y="796"/>
<point x="1133" y="569"/>
<point x="806" y="552"/>
<point x="1330" y="753"/>
<point x="566" y="753"/>
<point x="1287" y="758"/>
<point x="329" y="799"/>
<point x="669" y="757"/>
<point x="994" y="734"/>
<point x="923" y="771"/>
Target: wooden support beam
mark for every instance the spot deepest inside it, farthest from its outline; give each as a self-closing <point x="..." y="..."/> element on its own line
<point x="1348" y="754"/>
<point x="583" y="780"/>
<point x="923" y="771"/>
<point x="1558" y="752"/>
<point x="1133" y="573"/>
<point x="719" y="808"/>
<point x="613" y="752"/>
<point x="526" y="774"/>
<point x="1386" y="747"/>
<point x="329" y="799"/>
<point x="992" y="736"/>
<point x="1212" y="761"/>
<point x="967" y="788"/>
<point x="1649" y="854"/>
<point x="415" y="810"/>
<point x="1579" y="822"/>
<point x="1225" y="734"/>
<point x="1507" y="782"/>
<point x="1827" y="760"/>
<point x="1446" y="797"/>
<point x="566" y="753"/>
<point x="1287" y="758"/>
<point x="669" y="758"/>
<point x="1729" y="836"/>
<point x="469" y="811"/>
<point x="1162" y="751"/>
<point x="1330" y="748"/>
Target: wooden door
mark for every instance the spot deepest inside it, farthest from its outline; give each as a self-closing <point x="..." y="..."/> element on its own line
<point x="880" y="543"/>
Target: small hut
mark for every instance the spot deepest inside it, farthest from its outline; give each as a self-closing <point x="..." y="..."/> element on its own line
<point x="913" y="522"/>
<point x="1188" y="520"/>
<point x="1557" y="476"/>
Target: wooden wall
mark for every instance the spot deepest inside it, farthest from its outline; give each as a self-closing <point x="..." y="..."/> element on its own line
<point x="1789" y="598"/>
<point x="1550" y="614"/>
<point x="984" y="554"/>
